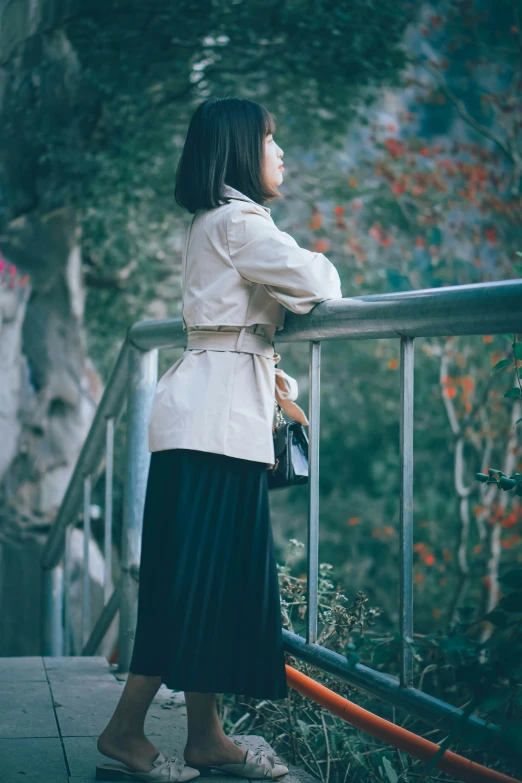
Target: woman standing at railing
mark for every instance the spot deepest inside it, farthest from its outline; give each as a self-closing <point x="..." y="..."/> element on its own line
<point x="209" y="617"/>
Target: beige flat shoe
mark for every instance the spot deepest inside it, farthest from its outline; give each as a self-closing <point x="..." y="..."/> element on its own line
<point x="255" y="765"/>
<point x="164" y="770"/>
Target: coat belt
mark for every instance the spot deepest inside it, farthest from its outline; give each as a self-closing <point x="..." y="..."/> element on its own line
<point x="244" y="341"/>
<point x="248" y="342"/>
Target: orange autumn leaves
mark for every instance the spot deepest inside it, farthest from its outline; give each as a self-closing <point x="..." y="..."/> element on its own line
<point x="507" y="520"/>
<point x="322" y="244"/>
<point x="377" y="532"/>
<point x="450" y="389"/>
<point x="426" y="555"/>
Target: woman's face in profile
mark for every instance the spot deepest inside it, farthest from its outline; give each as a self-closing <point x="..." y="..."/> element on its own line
<point x="273" y="162"/>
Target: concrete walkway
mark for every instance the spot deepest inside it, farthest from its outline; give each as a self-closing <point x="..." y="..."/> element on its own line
<point x="52" y="711"/>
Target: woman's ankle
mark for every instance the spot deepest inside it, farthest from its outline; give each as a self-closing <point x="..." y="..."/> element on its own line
<point x="123" y="733"/>
<point x="210" y="735"/>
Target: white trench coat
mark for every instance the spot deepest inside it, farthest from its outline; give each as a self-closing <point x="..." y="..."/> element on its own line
<point x="239" y="275"/>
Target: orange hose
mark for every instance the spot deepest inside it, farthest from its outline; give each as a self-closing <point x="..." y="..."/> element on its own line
<point x="458" y="766"/>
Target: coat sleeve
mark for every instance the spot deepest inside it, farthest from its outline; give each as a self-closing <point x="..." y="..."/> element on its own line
<point x="261" y="253"/>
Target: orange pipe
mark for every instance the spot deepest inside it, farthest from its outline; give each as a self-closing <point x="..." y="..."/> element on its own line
<point x="458" y="766"/>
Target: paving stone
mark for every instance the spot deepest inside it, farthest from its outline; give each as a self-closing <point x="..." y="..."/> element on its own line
<point x="84" y="667"/>
<point x="28" y="668"/>
<point x="27" y="710"/>
<point x="32" y="760"/>
<point x="82" y="756"/>
<point x="85" y="692"/>
<point x="167" y="717"/>
<point x="84" y="707"/>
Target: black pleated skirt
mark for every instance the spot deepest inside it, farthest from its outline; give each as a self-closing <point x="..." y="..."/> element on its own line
<point x="209" y="611"/>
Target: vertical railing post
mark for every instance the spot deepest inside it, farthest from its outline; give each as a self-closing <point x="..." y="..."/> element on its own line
<point x="406" y="512"/>
<point x="143" y="371"/>
<point x="67" y="614"/>
<point x="86" y="592"/>
<point x="314" y="371"/>
<point x="107" y="539"/>
<point x="52" y="620"/>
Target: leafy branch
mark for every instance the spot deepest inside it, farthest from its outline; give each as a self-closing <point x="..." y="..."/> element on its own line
<point x="516" y="349"/>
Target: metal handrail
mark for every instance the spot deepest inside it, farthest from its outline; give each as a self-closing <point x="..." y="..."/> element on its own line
<point x="482" y="308"/>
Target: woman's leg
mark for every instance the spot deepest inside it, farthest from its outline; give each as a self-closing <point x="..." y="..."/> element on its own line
<point x="207" y="743"/>
<point x="123" y="739"/>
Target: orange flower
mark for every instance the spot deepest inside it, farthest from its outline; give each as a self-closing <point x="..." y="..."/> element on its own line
<point x="395" y="147"/>
<point x="419" y="577"/>
<point x="316" y="221"/>
<point x="436" y="613"/>
<point x="339" y="211"/>
<point x="352" y="182"/>
<point x="488" y="338"/>
<point x="419" y="547"/>
<point x="511" y="541"/>
<point x="322" y="245"/>
<point x="510" y="520"/>
<point x="359" y="279"/>
<point x="389" y="530"/>
<point x="393" y="364"/>
<point x="477" y="548"/>
<point x="467" y="383"/>
<point x="450" y="392"/>
<point x="429" y="559"/>
<point x="353" y="521"/>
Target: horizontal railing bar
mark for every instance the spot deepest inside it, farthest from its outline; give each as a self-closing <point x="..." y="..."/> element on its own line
<point x="478" y="308"/>
<point x="103" y="622"/>
<point x="415" y="702"/>
<point x="91" y="456"/>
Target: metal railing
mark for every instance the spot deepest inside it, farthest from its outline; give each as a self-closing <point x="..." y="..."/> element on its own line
<point x="483" y="308"/>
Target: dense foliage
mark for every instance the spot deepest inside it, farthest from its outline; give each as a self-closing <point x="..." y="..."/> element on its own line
<point x="482" y="677"/>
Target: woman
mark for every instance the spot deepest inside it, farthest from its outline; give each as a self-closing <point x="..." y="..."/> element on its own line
<point x="209" y="606"/>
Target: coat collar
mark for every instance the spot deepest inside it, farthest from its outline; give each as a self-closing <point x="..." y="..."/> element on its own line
<point x="231" y="192"/>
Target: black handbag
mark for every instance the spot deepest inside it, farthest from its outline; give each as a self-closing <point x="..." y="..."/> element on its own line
<point x="291" y="453"/>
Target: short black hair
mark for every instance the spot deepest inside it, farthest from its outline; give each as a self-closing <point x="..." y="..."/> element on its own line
<point x="224" y="145"/>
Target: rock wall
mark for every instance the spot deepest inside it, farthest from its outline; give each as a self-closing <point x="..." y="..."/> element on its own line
<point x="49" y="389"/>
